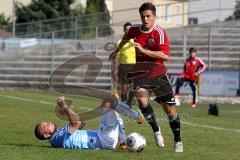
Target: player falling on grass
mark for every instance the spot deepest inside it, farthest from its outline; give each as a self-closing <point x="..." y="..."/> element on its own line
<point x="152" y="48"/>
<point x="127" y="59"/>
<point x="193" y="68"/>
<point x="72" y="137"/>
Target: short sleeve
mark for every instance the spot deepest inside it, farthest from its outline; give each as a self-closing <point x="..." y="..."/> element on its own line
<point x="58" y="137"/>
<point x="131" y="32"/>
<point x="162" y="42"/>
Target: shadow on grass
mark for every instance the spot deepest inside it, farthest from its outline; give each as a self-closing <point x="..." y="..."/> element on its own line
<point x="25" y="145"/>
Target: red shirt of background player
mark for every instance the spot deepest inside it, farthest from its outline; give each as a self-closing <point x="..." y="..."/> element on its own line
<point x="155" y="40"/>
<point x="191" y="66"/>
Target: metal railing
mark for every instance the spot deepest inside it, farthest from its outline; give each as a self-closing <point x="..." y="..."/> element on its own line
<point x="212" y="42"/>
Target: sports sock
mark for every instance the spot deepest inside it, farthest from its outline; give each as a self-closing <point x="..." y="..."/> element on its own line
<point x="175" y="126"/>
<point x="149" y="116"/>
<point x="124" y="97"/>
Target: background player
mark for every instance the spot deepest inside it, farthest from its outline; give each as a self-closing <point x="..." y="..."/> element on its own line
<point x="152" y="47"/>
<point x="71" y="137"/>
<point x="193" y="68"/>
<point x="127" y="59"/>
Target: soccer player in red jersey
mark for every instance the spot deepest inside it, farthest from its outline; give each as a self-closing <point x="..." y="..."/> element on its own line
<point x="152" y="49"/>
<point x="193" y="68"/>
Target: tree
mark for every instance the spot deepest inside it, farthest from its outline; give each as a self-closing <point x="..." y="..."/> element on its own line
<point x="39" y="10"/>
<point x="97" y="14"/>
<point x="43" y="9"/>
<point x="236" y="13"/>
<point x="4" y="20"/>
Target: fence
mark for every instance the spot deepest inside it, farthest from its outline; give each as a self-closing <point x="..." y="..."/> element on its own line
<point x="208" y="40"/>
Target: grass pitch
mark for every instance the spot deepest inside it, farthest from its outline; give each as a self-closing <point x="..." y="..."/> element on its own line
<point x="205" y="137"/>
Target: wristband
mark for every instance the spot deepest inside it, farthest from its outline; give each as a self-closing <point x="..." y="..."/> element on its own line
<point x="65" y="107"/>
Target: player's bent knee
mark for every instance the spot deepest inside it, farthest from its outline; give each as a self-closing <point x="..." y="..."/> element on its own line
<point x="172" y="117"/>
<point x="142" y="97"/>
<point x="107" y="103"/>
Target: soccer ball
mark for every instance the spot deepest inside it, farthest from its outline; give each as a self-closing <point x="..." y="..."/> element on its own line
<point x="135" y="142"/>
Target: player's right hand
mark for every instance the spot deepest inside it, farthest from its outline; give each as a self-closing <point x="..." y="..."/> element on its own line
<point x="61" y="101"/>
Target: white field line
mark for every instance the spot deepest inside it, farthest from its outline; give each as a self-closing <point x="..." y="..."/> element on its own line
<point x="230" y="111"/>
<point x="37" y="101"/>
<point x="210" y="127"/>
<point x="85" y="108"/>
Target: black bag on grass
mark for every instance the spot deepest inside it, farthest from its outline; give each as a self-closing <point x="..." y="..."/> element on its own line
<point x="213" y="110"/>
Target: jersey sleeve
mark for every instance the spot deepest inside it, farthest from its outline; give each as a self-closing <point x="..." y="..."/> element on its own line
<point x="118" y="42"/>
<point x="202" y="65"/>
<point x="162" y="42"/>
<point x="184" y="68"/>
<point x="131" y="32"/>
<point x="58" y="137"/>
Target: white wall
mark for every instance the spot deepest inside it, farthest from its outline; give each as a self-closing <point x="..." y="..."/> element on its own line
<point x="6" y="6"/>
<point x="214" y="7"/>
<point x="215" y="83"/>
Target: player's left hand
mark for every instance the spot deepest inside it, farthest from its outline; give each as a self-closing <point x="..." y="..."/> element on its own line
<point x="139" y="47"/>
<point x="113" y="55"/>
<point x="197" y="74"/>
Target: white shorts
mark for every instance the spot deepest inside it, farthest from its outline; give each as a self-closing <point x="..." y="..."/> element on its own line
<point x="111" y="130"/>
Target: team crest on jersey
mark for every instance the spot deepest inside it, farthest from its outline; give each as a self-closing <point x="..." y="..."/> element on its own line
<point x="150" y="41"/>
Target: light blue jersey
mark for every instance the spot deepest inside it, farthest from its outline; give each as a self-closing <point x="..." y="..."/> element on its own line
<point x="80" y="139"/>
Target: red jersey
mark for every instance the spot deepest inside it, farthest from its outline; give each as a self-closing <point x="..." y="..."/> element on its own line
<point x="154" y="40"/>
<point x="191" y="66"/>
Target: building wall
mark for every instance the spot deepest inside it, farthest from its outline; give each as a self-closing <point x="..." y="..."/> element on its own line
<point x="171" y="13"/>
<point x="7" y="5"/>
<point x="211" y="10"/>
<point x="127" y="11"/>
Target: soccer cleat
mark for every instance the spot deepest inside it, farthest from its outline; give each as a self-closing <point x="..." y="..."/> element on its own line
<point x="193" y="105"/>
<point x="122" y="147"/>
<point x="177" y="101"/>
<point x="178" y="146"/>
<point x="140" y="119"/>
<point x="158" y="139"/>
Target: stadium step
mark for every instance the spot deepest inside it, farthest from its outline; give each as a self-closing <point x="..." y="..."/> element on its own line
<point x="32" y="67"/>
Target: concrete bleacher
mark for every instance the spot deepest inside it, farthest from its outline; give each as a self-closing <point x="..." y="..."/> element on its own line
<point x="32" y="67"/>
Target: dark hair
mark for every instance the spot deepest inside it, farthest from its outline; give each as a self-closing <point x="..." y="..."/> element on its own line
<point x="148" y="6"/>
<point x="192" y="50"/>
<point x="127" y="24"/>
<point x="37" y="133"/>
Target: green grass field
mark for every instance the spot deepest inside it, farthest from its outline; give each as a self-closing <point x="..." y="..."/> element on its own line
<point x="205" y="137"/>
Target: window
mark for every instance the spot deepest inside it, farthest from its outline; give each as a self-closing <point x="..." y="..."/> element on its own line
<point x="179" y="14"/>
<point x="158" y="9"/>
<point x="167" y="13"/>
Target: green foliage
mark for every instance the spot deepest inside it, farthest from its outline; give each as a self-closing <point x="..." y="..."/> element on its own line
<point x="43" y="9"/>
<point x="237" y="10"/>
<point x="4" y="20"/>
<point x="102" y="19"/>
<point x="39" y="10"/>
<point x="236" y="13"/>
<point x="95" y="13"/>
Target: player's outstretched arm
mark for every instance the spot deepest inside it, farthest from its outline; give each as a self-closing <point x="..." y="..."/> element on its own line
<point x="74" y="119"/>
<point x="124" y="40"/>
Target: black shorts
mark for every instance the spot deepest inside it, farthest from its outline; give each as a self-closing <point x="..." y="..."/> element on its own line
<point x="123" y="71"/>
<point x="160" y="86"/>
